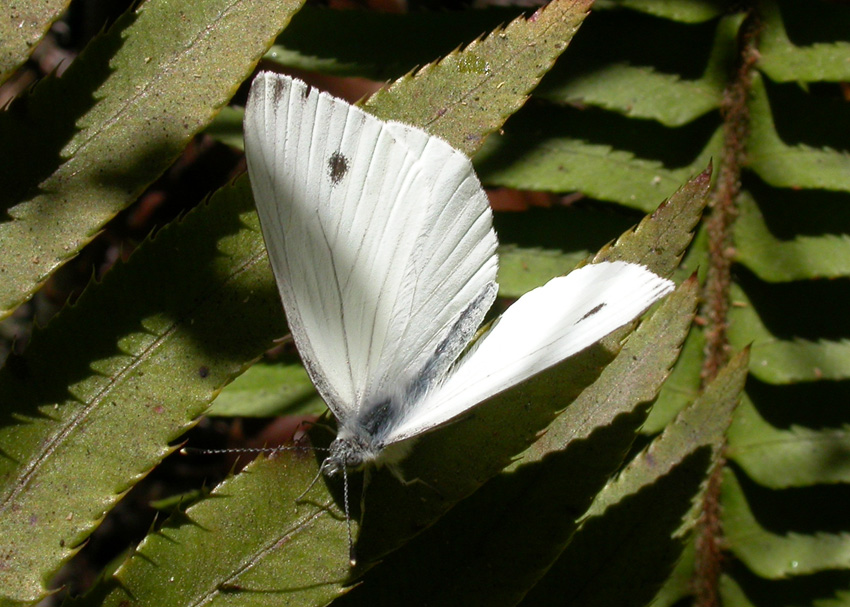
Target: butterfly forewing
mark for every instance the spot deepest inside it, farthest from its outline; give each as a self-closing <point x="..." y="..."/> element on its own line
<point x="379" y="236"/>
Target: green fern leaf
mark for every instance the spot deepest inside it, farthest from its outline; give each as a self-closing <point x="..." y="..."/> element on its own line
<point x="521" y="270"/>
<point x="250" y="538"/>
<point x="268" y="390"/>
<point x="784" y="61"/>
<point x="796" y="457"/>
<point x="679" y="584"/>
<point x="117" y="388"/>
<point x="681" y="388"/>
<point x="22" y="25"/>
<point x="685" y="11"/>
<point x="773" y="260"/>
<point x="537" y="152"/>
<point x="143" y="116"/>
<point x="355" y="43"/>
<point x="791" y="166"/>
<point x="782" y="361"/>
<point x="596" y="77"/>
<point x="773" y="556"/>
<point x="497" y="71"/>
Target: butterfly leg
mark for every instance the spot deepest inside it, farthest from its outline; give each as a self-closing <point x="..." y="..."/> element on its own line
<point x="310" y="486"/>
<point x="397" y="472"/>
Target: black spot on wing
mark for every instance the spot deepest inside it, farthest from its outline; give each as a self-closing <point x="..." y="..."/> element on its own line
<point x="337" y="167"/>
<point x="592" y="312"/>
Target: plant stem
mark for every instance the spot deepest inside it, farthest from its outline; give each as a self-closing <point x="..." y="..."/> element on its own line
<point x="736" y="123"/>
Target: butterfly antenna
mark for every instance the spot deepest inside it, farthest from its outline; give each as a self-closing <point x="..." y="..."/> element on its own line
<point x="190" y="450"/>
<point x="352" y="557"/>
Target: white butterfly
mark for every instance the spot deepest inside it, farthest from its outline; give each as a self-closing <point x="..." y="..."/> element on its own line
<point x="381" y="241"/>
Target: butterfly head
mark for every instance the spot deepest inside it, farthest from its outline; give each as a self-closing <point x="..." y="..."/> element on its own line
<point x="349" y="452"/>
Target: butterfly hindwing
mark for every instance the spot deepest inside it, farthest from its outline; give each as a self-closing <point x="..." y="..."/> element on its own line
<point x="542" y="328"/>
